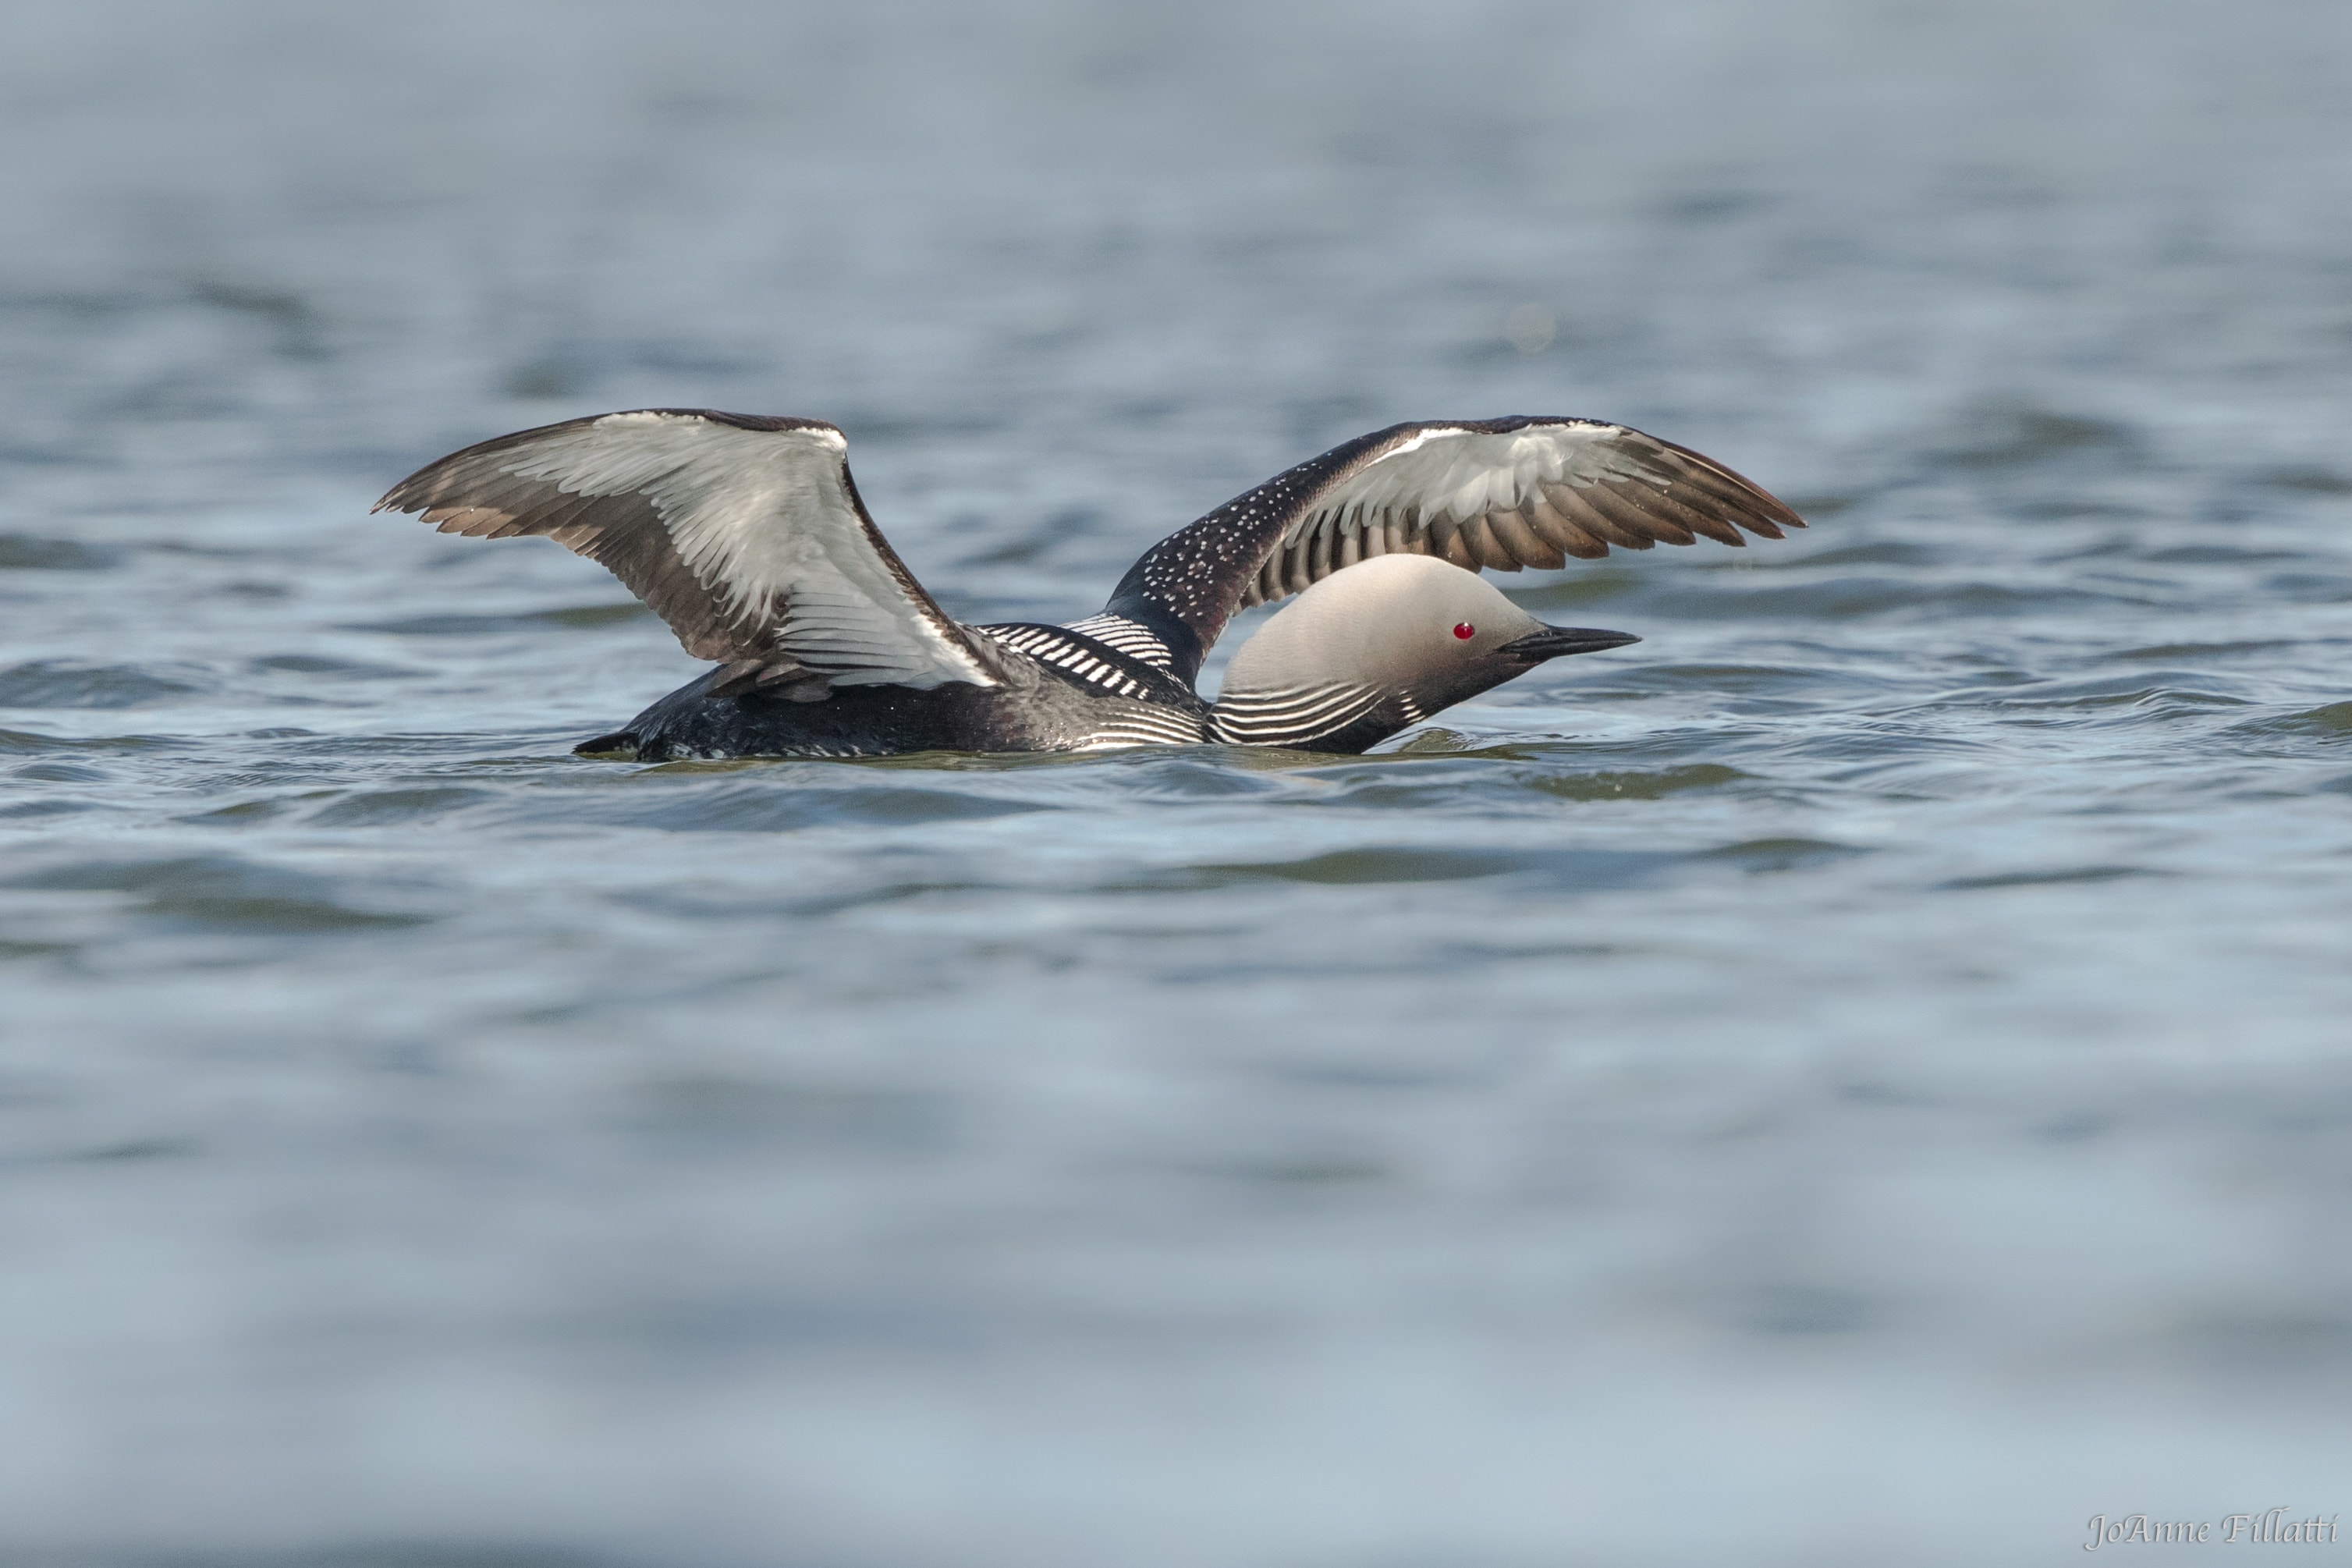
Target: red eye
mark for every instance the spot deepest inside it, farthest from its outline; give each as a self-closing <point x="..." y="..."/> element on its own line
<point x="1465" y="631"/>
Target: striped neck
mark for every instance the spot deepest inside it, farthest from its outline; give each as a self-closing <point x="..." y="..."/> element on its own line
<point x="1310" y="717"/>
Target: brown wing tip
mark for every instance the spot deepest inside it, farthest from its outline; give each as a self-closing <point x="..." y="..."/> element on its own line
<point x="473" y="521"/>
<point x="404" y="495"/>
<point x="1770" y="510"/>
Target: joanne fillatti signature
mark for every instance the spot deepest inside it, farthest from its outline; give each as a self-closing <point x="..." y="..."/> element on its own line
<point x="2232" y="1530"/>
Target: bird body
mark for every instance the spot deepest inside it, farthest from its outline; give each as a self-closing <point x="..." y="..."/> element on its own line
<point x="1039" y="704"/>
<point x="746" y="535"/>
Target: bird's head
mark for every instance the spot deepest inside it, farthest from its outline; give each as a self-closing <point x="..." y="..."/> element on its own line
<point x="1388" y="640"/>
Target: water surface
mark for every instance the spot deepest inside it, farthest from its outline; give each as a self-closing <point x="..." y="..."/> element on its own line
<point x="1857" y="1078"/>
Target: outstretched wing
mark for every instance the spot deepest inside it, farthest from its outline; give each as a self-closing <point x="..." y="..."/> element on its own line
<point x="1501" y="493"/>
<point x="744" y="533"/>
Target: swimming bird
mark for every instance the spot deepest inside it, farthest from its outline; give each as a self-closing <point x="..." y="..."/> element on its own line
<point x="746" y="534"/>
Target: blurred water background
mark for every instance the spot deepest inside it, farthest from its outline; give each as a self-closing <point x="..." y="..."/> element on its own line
<point x="1859" y="1077"/>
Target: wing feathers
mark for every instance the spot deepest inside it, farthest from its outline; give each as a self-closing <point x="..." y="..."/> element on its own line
<point x="1605" y="516"/>
<point x="1498" y="495"/>
<point x="1519" y="536"/>
<point x="1556" y="529"/>
<point x="745" y="533"/>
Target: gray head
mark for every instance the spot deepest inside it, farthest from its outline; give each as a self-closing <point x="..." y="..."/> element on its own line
<point x="1381" y="646"/>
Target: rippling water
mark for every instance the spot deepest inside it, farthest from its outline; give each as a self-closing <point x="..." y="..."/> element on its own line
<point x="1859" y="1077"/>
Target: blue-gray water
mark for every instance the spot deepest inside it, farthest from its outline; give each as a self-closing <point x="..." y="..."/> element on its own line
<point x="1859" y="1077"/>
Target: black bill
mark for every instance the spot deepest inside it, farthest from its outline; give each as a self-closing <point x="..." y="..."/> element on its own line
<point x="1556" y="642"/>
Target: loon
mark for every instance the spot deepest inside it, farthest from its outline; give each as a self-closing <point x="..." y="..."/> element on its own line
<point x="745" y="532"/>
